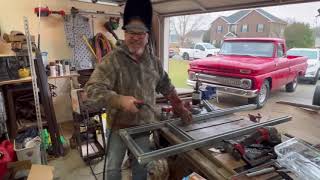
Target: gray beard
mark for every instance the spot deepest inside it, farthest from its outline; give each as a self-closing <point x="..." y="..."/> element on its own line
<point x="137" y="52"/>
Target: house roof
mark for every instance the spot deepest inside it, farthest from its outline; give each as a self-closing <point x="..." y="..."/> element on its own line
<point x="234" y="18"/>
<point x="270" y="16"/>
<point x="229" y="35"/>
<point x="237" y="16"/>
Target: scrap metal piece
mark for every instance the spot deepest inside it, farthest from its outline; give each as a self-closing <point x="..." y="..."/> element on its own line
<point x="307" y="106"/>
<point x="261" y="172"/>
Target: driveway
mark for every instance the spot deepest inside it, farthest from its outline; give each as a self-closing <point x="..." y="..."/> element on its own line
<point x="305" y="124"/>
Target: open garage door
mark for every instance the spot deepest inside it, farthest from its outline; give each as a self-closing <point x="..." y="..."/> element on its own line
<point x="168" y="8"/>
<point x="183" y="7"/>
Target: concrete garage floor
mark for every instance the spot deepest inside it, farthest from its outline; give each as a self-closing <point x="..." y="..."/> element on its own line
<point x="305" y="125"/>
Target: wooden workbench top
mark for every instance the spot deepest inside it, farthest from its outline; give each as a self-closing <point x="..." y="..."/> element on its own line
<point x="7" y="55"/>
<point x="28" y="79"/>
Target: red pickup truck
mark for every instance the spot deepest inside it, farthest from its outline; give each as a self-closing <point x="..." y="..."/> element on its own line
<point x="249" y="67"/>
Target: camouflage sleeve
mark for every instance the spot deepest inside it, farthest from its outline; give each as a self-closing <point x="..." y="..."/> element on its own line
<point x="100" y="86"/>
<point x="164" y="85"/>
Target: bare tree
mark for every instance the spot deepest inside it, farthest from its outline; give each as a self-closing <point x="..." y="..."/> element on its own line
<point x="184" y="25"/>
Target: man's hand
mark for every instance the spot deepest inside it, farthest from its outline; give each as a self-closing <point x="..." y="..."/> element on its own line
<point x="128" y="103"/>
<point x="178" y="108"/>
<point x="182" y="112"/>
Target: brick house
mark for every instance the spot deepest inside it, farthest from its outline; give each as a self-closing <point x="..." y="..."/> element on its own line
<point x="246" y="23"/>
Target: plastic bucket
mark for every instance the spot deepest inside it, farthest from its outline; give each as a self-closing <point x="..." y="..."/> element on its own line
<point x="31" y="152"/>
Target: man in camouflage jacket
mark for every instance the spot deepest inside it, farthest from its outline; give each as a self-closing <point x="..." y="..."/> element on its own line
<point x="129" y="75"/>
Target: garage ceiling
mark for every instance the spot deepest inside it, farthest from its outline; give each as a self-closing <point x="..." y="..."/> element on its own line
<point x="168" y="8"/>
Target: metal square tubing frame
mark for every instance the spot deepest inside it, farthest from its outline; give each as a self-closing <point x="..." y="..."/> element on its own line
<point x="190" y="144"/>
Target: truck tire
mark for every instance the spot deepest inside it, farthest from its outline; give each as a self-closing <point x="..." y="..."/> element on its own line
<point x="263" y="95"/>
<point x="292" y="86"/>
<point x="315" y="80"/>
<point x="185" y="56"/>
<point x="316" y="96"/>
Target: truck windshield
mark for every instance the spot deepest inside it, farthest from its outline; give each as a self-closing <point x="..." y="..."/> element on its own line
<point x="208" y="46"/>
<point x="261" y="49"/>
<point x="308" y="54"/>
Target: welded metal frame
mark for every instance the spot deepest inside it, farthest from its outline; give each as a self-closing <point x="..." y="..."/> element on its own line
<point x="190" y="143"/>
<point x="197" y="118"/>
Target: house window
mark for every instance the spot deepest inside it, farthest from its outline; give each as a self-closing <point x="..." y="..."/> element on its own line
<point x="260" y="27"/>
<point x="219" y="29"/>
<point x="244" y="28"/>
<point x="233" y="28"/>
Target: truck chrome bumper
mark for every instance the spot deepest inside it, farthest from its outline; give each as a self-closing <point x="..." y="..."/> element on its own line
<point x="228" y="90"/>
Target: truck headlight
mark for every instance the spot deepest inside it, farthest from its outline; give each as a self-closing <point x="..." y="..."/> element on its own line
<point x="246" y="83"/>
<point x="192" y="76"/>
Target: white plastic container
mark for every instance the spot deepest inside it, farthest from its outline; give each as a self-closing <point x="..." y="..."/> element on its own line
<point x="53" y="69"/>
<point x="31" y="153"/>
<point x="45" y="58"/>
<point x="59" y="68"/>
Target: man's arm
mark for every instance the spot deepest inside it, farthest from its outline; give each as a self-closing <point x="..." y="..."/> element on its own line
<point x="164" y="85"/>
<point x="100" y="89"/>
<point x="168" y="90"/>
<point x="100" y="86"/>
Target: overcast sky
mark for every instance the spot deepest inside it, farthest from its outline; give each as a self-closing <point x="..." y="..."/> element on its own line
<point x="305" y="12"/>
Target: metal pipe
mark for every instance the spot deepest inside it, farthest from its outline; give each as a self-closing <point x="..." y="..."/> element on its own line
<point x="261" y="172"/>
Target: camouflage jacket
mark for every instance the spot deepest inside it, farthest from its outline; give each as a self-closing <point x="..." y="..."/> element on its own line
<point x="118" y="75"/>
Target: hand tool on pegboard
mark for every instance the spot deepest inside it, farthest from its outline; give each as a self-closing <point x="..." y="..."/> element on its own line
<point x="45" y="12"/>
<point x="112" y="25"/>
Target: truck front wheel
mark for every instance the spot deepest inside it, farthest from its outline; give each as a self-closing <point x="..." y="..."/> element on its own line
<point x="315" y="80"/>
<point x="292" y="86"/>
<point x="261" y="99"/>
<point x="316" y="96"/>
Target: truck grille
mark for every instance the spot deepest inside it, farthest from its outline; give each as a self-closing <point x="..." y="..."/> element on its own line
<point x="234" y="82"/>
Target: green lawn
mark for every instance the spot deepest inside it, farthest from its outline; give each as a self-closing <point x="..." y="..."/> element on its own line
<point x="178" y="73"/>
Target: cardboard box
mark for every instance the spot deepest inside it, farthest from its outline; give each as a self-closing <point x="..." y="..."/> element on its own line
<point x="194" y="176"/>
<point x="16" y="37"/>
<point x="41" y="172"/>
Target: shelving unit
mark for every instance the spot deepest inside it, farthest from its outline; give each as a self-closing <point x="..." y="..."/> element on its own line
<point x="85" y="128"/>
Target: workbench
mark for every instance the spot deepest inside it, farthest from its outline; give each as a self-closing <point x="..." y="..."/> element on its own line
<point x="192" y="143"/>
<point x="28" y="79"/>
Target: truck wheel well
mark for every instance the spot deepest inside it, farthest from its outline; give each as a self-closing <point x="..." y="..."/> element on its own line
<point x="269" y="79"/>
